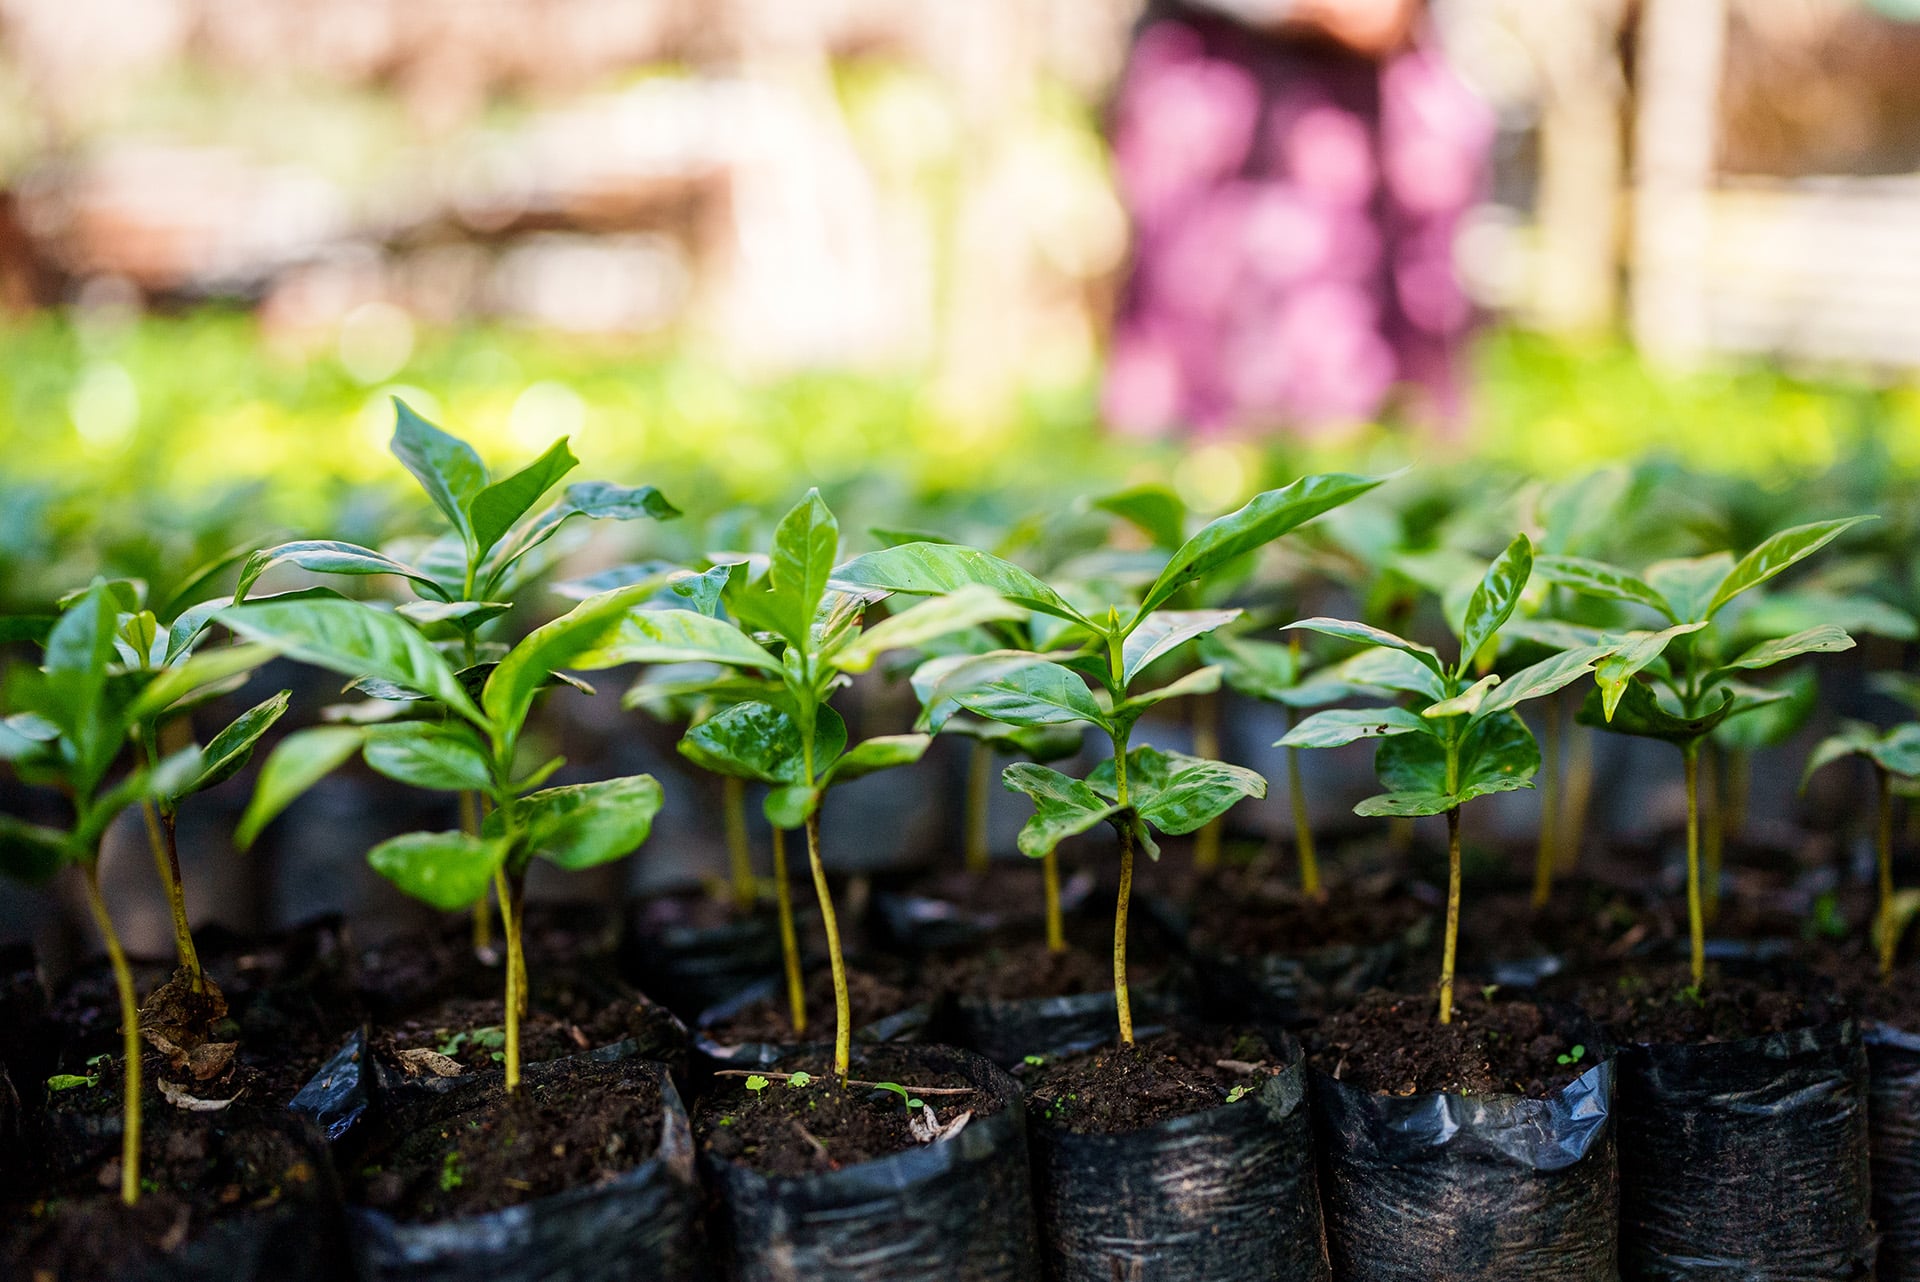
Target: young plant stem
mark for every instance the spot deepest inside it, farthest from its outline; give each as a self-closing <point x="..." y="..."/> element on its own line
<point x="1574" y="799"/>
<point x="1302" y="826"/>
<point x="733" y="805"/>
<point x="1712" y="835"/>
<point x="842" y="1015"/>
<point x="1453" y="916"/>
<point x="1548" y="849"/>
<point x="789" y="943"/>
<point x="130" y="1039"/>
<point x="1206" y="743"/>
<point x="1696" y="921"/>
<point x="510" y="889"/>
<point x="482" y="911"/>
<point x="1056" y="922"/>
<point x="1123" y="1005"/>
<point x="1883" y="850"/>
<point x="166" y="859"/>
<point x="979" y="784"/>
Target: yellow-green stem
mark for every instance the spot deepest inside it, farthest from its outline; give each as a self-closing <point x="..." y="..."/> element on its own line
<point x="1548" y="849"/>
<point x="733" y="799"/>
<point x="1696" y="922"/>
<point x="166" y="859"/>
<point x="1120" y="1000"/>
<point x="1302" y="826"/>
<point x="1056" y="923"/>
<point x="1453" y="916"/>
<point x="789" y="941"/>
<point x="1712" y="836"/>
<point x="1578" y="792"/>
<point x="1883" y="838"/>
<point x="979" y="784"/>
<point x="1206" y="743"/>
<point x="842" y="1014"/>
<point x="130" y="1040"/>
<point x="516" y="1003"/>
<point x="482" y="910"/>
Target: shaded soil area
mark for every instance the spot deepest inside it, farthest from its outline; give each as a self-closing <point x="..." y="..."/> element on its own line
<point x="564" y="1017"/>
<point x="785" y="1130"/>
<point x="1661" y="1005"/>
<point x="872" y="994"/>
<point x="1266" y="917"/>
<point x="1020" y="972"/>
<point x="571" y="1125"/>
<point x="1581" y="920"/>
<point x="1893" y="1000"/>
<point x="1124" y="1088"/>
<point x="1397" y="1046"/>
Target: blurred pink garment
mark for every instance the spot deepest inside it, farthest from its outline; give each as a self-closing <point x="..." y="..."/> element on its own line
<point x="1294" y="208"/>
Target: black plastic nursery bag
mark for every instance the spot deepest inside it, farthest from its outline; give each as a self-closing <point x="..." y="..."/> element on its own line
<point x="690" y="968"/>
<point x="1446" y="1188"/>
<point x="958" y="1210"/>
<point x="1893" y="1114"/>
<point x="1225" y="1194"/>
<point x="1746" y="1161"/>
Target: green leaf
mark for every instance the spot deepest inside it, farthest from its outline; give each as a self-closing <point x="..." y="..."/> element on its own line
<point x="1540" y="679"/>
<point x="882" y="752"/>
<point x="30" y="853"/>
<point x="354" y="640"/>
<point x="326" y="556"/>
<point x="472" y="613"/>
<point x="1177" y="793"/>
<point x="493" y="511"/>
<point x="1776" y="554"/>
<point x="1855" y="738"/>
<point x="1155" y="510"/>
<point x="1352" y="631"/>
<point x="301" y="760"/>
<point x="752" y="741"/>
<point x="587" y="824"/>
<point x="596" y="500"/>
<point x="1640" y="712"/>
<point x="78" y="651"/>
<point x="1258" y="669"/>
<point x="442" y="756"/>
<point x="1340" y="726"/>
<point x="446" y="467"/>
<point x="1465" y="703"/>
<point x="1778" y="721"/>
<point x="183" y="680"/>
<point x="1384" y="668"/>
<point x="200" y="578"/>
<point x="1164" y="631"/>
<point x="1493" y="600"/>
<point x="927" y="569"/>
<point x="1824" y="639"/>
<point x="1265" y="518"/>
<point x="1688" y="583"/>
<point x="1012" y="687"/>
<point x="1406" y="805"/>
<point x="166" y="779"/>
<point x="574" y="640"/>
<point x="1597" y="579"/>
<point x="26" y="627"/>
<point x="448" y="870"/>
<point x="680" y="636"/>
<point x="1199" y="681"/>
<point x="790" y="806"/>
<point x="966" y="607"/>
<point x="1497" y="754"/>
<point x="804" y="546"/>
<point x="1063" y="806"/>
<point x="231" y="748"/>
<point x="1632" y="652"/>
<point x="1779" y="614"/>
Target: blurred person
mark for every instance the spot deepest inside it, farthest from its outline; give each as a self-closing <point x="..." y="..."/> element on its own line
<point x="1295" y="171"/>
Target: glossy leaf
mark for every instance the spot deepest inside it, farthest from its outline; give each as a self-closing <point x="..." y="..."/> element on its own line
<point x="210" y="667"/>
<point x="1468" y="701"/>
<point x="1062" y="806"/>
<point x="790" y="806"/>
<point x="925" y="621"/>
<point x="1824" y="639"/>
<point x="1199" y="681"/>
<point x="447" y="757"/>
<point x="573" y="640"/>
<point x="1632" y="653"/>
<point x="1776" y="554"/>
<point x="1265" y="518"/>
<point x="470" y="613"/>
<point x="1688" y="583"/>
<point x="1340" y="726"/>
<point x="1640" y="712"/>
<point x="1385" y="668"/>
<point x="493" y="511"/>
<point x="1164" y="631"/>
<point x="680" y="636"/>
<point x="300" y="760"/>
<point x="804" y="546"/>
<point x="1179" y="794"/>
<point x="354" y="640"/>
<point x="1012" y="687"/>
<point x="1537" y="680"/>
<point x="928" y="569"/>
<point x="1154" y="510"/>
<point x="882" y="752"/>
<point x="752" y="741"/>
<point x="589" y="824"/>
<point x="229" y="750"/>
<point x="1492" y="602"/>
<point x="446" y="466"/>
<point x="1258" y="669"/>
<point x="448" y="870"/>
<point x="1354" y="631"/>
<point x="325" y="556"/>
<point x="1598" y="579"/>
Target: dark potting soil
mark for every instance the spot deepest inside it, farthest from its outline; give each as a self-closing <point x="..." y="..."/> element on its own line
<point x="1659" y="1005"/>
<point x="1397" y="1046"/>
<point x="572" y="1126"/>
<point x="1010" y="890"/>
<point x="561" y="1020"/>
<point x="1124" y="1088"/>
<point x="1272" y="918"/>
<point x="1893" y="1000"/>
<point x="1580" y="920"/>
<point x="792" y="1131"/>
<point x="195" y="1170"/>
<point x="1020" y="972"/>
<point x="871" y="996"/>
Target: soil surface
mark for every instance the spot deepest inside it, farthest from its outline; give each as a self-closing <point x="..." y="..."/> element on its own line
<point x="794" y="1131"/>
<point x="1580" y="921"/>
<point x="563" y="1018"/>
<point x="871" y="995"/>
<point x="1125" y="1088"/>
<point x="1893" y="1000"/>
<point x="1269" y="917"/>
<point x="196" y="1169"/>
<point x="570" y="1126"/>
<point x="1021" y="972"/>
<point x="1397" y="1046"/>
<point x="1659" y="1005"/>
